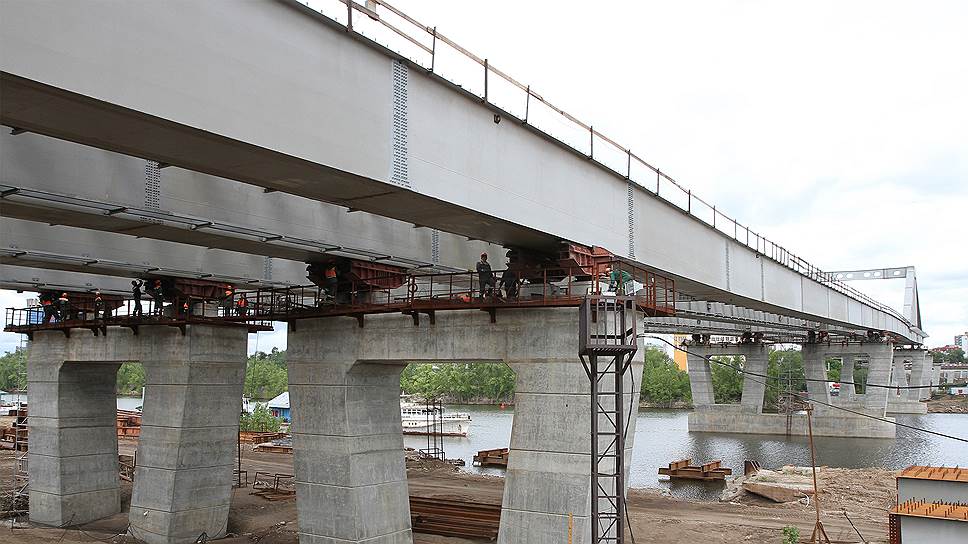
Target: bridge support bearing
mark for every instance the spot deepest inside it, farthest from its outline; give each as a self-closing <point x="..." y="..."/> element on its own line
<point x="186" y="454"/>
<point x="73" y="457"/>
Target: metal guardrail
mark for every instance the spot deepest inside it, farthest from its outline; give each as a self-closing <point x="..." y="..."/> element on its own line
<point x="622" y="162"/>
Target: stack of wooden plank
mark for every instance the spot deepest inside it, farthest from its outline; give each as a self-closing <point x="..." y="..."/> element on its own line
<point x="492" y="458"/>
<point x="454" y="518"/>
<point x="684" y="469"/>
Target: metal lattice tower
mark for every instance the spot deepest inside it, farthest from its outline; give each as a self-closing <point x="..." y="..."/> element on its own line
<point x="607" y="345"/>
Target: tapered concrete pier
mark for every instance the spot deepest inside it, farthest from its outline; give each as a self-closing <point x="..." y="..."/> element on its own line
<point x="344" y="386"/>
<point x="73" y="457"/>
<point x="187" y="447"/>
<point x="186" y="453"/>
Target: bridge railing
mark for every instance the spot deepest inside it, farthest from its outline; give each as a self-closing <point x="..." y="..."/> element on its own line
<point x="427" y="47"/>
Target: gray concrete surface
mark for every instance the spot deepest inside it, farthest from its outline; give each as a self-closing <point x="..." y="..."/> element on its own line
<point x="73" y="457"/>
<point x="188" y="439"/>
<point x="351" y="374"/>
<point x="933" y="531"/>
<point x="730" y="418"/>
<point x="187" y="449"/>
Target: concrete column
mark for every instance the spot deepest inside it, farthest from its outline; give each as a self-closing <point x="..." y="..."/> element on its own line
<point x="815" y="368"/>
<point x="754" y="387"/>
<point x="879" y="372"/>
<point x="920" y="375"/>
<point x="700" y="380"/>
<point x="351" y="477"/>
<point x="847" y="390"/>
<point x="73" y="457"/>
<point x="187" y="449"/>
<point x="549" y="473"/>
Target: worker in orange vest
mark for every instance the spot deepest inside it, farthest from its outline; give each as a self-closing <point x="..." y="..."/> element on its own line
<point x="332" y="281"/>
<point x="63" y="307"/>
<point x="242" y="305"/>
<point x="98" y="305"/>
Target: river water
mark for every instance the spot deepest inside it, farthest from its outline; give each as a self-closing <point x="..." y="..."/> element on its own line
<point x="661" y="437"/>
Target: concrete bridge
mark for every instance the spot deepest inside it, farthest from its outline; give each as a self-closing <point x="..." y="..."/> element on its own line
<point x="231" y="142"/>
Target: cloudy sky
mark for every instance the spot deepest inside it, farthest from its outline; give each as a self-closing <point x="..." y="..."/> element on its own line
<point x="837" y="129"/>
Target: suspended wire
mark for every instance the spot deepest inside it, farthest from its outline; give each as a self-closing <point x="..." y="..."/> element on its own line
<point x="806" y="398"/>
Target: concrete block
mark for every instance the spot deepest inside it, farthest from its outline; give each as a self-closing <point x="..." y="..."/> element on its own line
<point x="348" y="461"/>
<point x="362" y="512"/>
<point x="59" y="510"/>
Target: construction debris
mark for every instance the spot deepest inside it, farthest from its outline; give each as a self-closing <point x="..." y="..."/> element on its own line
<point x="492" y="458"/>
<point x="455" y="518"/>
<point x="683" y="469"/>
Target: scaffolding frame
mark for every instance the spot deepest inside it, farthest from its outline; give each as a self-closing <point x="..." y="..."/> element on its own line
<point x="607" y="329"/>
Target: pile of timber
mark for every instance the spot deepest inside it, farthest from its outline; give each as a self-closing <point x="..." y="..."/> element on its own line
<point x="129" y="423"/>
<point x="684" y="469"/>
<point x="452" y="518"/>
<point x="14" y="437"/>
<point x="279" y="445"/>
<point x="257" y="437"/>
<point x="492" y="458"/>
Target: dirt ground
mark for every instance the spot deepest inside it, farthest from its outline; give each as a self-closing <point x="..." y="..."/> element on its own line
<point x="865" y="495"/>
<point x="949" y="404"/>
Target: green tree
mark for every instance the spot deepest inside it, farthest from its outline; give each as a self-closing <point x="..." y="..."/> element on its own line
<point x="265" y="374"/>
<point x="834" y="367"/>
<point x="260" y="420"/>
<point x="13" y="370"/>
<point x="663" y="382"/>
<point x="727" y="379"/>
<point x="785" y="369"/>
<point x="460" y="383"/>
<point x="131" y="378"/>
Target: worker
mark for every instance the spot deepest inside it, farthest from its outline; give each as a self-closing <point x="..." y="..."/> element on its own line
<point x="226" y="302"/>
<point x="331" y="280"/>
<point x="485" y="276"/>
<point x="509" y="282"/>
<point x="185" y="308"/>
<point x="136" y="293"/>
<point x="158" y="294"/>
<point x="242" y="305"/>
<point x="63" y="306"/>
<point x="98" y="305"/>
<point x="49" y="310"/>
<point x="617" y="280"/>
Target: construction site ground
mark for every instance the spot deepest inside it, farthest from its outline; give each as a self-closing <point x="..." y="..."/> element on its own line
<point x="865" y="494"/>
<point x="948" y="404"/>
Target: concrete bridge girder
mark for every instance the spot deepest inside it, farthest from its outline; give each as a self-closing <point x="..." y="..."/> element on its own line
<point x="54" y="181"/>
<point x="186" y="113"/>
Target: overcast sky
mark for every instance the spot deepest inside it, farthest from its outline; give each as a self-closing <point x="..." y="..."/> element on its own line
<point x="837" y="129"/>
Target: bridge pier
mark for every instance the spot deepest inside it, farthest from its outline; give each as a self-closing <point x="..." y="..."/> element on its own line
<point x="349" y="463"/>
<point x="186" y="452"/>
<point x="187" y="447"/>
<point x="744" y="418"/>
<point x="73" y="456"/>
<point x="908" y="401"/>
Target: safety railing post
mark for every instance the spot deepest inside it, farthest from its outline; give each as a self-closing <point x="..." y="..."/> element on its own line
<point x="527" y="104"/>
<point x="433" y="51"/>
<point x="485" y="81"/>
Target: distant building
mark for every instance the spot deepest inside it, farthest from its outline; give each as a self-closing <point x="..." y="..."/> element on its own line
<point x="961" y="341"/>
<point x="279" y="407"/>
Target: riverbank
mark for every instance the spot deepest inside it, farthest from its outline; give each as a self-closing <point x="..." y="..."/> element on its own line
<point x="655" y="517"/>
<point x="948" y="404"/>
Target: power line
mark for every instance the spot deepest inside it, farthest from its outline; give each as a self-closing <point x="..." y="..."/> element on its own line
<point x="807" y="399"/>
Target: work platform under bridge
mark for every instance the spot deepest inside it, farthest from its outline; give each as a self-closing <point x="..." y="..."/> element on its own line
<point x="361" y="291"/>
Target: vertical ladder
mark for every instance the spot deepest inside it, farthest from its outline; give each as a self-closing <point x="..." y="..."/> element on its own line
<point x="607" y="346"/>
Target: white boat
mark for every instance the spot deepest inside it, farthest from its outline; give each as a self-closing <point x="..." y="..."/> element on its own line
<point x="424" y="420"/>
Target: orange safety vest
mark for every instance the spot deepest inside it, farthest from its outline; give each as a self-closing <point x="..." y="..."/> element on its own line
<point x="330" y="272"/>
<point x="242" y="302"/>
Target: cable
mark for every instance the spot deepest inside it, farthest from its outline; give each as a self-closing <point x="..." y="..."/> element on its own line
<point x="807" y="399"/>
